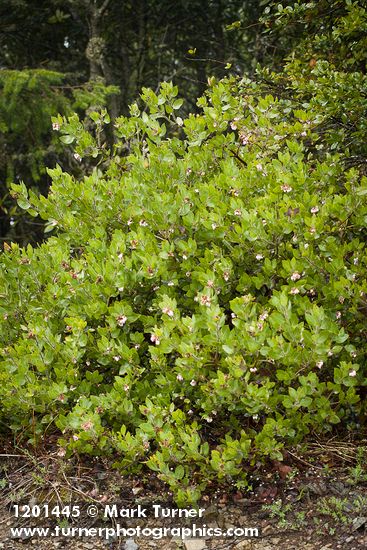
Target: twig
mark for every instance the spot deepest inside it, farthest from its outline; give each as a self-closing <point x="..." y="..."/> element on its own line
<point x="78" y="490"/>
<point x="304" y="461"/>
<point x="234" y="154"/>
<point x="12" y="456"/>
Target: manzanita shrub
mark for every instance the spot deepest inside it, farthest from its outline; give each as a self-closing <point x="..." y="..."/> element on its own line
<point x="203" y="300"/>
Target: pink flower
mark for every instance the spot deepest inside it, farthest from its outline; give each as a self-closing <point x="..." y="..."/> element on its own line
<point x="253" y="369"/>
<point x="193" y="383"/>
<point x="168" y="311"/>
<point x="286" y="188"/>
<point x="87" y="425"/>
<point x="179" y="377"/>
<point x="319" y="364"/>
<point x="205" y="300"/>
<point x="352" y="373"/>
<point x="244" y="138"/>
<point x="233" y="123"/>
<point x="154" y="338"/>
<point x="237" y="212"/>
<point x="294" y="290"/>
<point x="56" y="126"/>
<point x="314" y="209"/>
<point x="77" y="157"/>
<point x="295" y="276"/>
<point x="121" y="320"/>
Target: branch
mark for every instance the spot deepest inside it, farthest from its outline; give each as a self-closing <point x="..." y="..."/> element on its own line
<point x="236" y="155"/>
<point x="103" y="8"/>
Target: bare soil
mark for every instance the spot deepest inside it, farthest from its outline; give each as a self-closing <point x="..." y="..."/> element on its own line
<point x="316" y="499"/>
